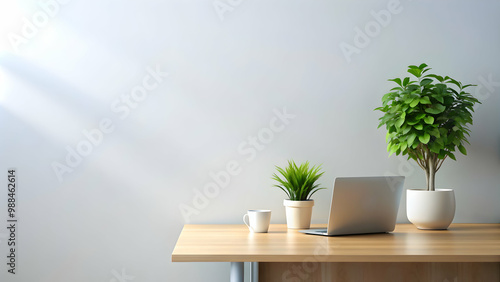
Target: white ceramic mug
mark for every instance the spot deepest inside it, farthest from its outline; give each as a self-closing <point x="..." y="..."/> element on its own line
<point x="258" y="220"/>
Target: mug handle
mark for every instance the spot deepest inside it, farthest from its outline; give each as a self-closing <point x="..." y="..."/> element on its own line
<point x="244" y="221"/>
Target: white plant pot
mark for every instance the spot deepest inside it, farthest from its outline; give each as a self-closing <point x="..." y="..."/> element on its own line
<point x="298" y="213"/>
<point x="430" y="209"/>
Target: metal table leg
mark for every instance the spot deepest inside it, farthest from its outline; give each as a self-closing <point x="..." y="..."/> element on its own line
<point x="254" y="272"/>
<point x="237" y="273"/>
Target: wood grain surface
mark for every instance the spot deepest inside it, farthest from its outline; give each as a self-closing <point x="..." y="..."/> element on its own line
<point x="228" y="243"/>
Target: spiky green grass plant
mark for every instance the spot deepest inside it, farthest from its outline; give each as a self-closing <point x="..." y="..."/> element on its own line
<point x="298" y="182"/>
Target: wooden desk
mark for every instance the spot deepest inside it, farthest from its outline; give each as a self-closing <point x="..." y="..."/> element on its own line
<point x="464" y="252"/>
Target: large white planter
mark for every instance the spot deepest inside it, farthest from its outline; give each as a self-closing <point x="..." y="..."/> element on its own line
<point x="430" y="209"/>
<point x="298" y="213"/>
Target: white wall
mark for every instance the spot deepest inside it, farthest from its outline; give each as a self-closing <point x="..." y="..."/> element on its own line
<point x="118" y="209"/>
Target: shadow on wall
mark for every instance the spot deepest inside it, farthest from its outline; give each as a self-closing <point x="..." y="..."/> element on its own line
<point x="53" y="86"/>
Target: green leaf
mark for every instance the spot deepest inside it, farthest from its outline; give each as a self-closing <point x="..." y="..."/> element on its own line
<point x="406" y="129"/>
<point x="468" y="85"/>
<point x="389" y="146"/>
<point x="441" y="88"/>
<point x="397" y="80"/>
<point x="458" y="84"/>
<point x="435" y="109"/>
<point x="412" y="122"/>
<point x="439" y="141"/>
<point x="392" y="148"/>
<point x="443" y="131"/>
<point x="420" y="116"/>
<point x="411" y="138"/>
<point x="435" y="147"/>
<point x="403" y="146"/>
<point x="429" y="120"/>
<point x="453" y="139"/>
<point x="405" y="81"/>
<point x="386" y="96"/>
<point x="425" y="81"/>
<point x="395" y="108"/>
<point x="424" y="138"/>
<point x="418" y="127"/>
<point x="412" y="87"/>
<point x="414" y="103"/>
<point x="439" y="78"/>
<point x="462" y="149"/>
<point x="416" y="72"/>
<point x="399" y="122"/>
<point x="439" y="98"/>
<point x="425" y="100"/>
<point x="435" y="132"/>
<point x="442" y="154"/>
<point x="406" y="99"/>
<point x="451" y="155"/>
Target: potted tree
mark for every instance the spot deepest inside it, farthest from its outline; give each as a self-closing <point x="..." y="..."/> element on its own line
<point x="298" y="182"/>
<point x="427" y="118"/>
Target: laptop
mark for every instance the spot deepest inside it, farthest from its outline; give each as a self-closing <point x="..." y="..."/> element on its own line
<point x="362" y="205"/>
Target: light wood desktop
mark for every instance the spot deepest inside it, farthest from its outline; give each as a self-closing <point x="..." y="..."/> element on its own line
<point x="464" y="252"/>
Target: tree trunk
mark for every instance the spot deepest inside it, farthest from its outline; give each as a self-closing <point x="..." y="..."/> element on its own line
<point x="427" y="176"/>
<point x="430" y="173"/>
